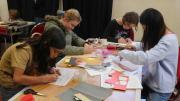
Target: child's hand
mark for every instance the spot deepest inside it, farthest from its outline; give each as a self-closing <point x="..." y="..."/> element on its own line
<point x="49" y="78"/>
<point x="122" y="40"/>
<point x="55" y="71"/>
<point x="88" y="48"/>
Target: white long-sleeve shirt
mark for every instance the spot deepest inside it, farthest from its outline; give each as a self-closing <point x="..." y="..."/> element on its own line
<point x="160" y="63"/>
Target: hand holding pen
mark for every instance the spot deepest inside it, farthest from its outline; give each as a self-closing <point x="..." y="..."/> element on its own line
<point x="55" y="71"/>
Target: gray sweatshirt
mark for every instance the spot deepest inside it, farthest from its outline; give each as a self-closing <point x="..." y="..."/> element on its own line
<point x="74" y="44"/>
<point x="160" y="63"/>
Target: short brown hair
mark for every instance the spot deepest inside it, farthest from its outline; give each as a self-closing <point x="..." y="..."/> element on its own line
<point x="72" y="14"/>
<point x="131" y="17"/>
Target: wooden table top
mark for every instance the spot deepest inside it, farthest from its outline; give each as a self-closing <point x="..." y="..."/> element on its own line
<point x="52" y="91"/>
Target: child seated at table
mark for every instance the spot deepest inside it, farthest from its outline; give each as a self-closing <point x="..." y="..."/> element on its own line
<point x="14" y="15"/>
<point x="118" y="30"/>
<point x="27" y="63"/>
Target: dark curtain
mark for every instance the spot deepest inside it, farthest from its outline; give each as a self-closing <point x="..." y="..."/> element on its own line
<point x="13" y="4"/>
<point x="95" y="16"/>
<point x="28" y="9"/>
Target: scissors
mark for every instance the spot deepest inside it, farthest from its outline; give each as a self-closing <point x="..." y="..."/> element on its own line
<point x="31" y="91"/>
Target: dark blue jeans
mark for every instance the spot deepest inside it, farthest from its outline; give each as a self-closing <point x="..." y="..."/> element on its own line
<point x="154" y="96"/>
<point x="7" y="93"/>
<point x="151" y="95"/>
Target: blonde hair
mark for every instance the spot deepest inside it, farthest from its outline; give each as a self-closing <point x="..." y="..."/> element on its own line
<point x="72" y="14"/>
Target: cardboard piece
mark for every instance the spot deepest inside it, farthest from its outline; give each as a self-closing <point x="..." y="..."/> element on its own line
<point x="79" y="96"/>
<point x="69" y="95"/>
<point x="92" y="92"/>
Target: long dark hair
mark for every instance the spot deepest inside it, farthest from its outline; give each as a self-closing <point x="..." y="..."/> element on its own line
<point x="154" y="27"/>
<point x="41" y="48"/>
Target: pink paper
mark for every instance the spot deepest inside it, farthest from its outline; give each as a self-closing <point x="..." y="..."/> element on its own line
<point x="114" y="80"/>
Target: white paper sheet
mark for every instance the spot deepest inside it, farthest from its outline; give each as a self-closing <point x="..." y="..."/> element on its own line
<point x="116" y="67"/>
<point x="93" y="72"/>
<point x="128" y="65"/>
<point x="66" y="75"/>
<point x="103" y="84"/>
<point x="109" y="59"/>
<point x="119" y="44"/>
<point x="134" y="83"/>
<point x="125" y="64"/>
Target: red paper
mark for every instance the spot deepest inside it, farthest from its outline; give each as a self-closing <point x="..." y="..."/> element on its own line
<point x="115" y="74"/>
<point x="114" y="80"/>
<point x="28" y="97"/>
<point x="111" y="80"/>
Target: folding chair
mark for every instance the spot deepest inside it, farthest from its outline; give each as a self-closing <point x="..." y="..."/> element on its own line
<point x="5" y="34"/>
<point x="39" y="28"/>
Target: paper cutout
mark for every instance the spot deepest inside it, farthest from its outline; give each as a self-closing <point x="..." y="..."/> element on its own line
<point x="122" y="78"/>
<point x="118" y="81"/>
<point x="65" y="77"/>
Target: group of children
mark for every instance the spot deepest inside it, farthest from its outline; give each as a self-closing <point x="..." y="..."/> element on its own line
<point x="28" y="63"/>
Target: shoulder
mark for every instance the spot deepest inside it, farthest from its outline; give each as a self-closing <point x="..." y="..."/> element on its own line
<point x="114" y="21"/>
<point x="24" y="50"/>
<point x="169" y="40"/>
<point x="51" y="24"/>
<point x="20" y="57"/>
<point x="169" y="36"/>
<point x="18" y="54"/>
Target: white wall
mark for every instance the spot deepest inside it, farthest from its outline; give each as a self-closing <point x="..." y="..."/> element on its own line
<point x="4" y="14"/>
<point x="169" y="8"/>
<point x="60" y="4"/>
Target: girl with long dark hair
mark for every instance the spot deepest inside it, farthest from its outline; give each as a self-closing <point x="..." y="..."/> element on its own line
<point x="158" y="53"/>
<point x="27" y="63"/>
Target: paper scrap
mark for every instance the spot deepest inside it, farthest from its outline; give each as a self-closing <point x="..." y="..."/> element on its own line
<point x="66" y="75"/>
<point x="134" y="83"/>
